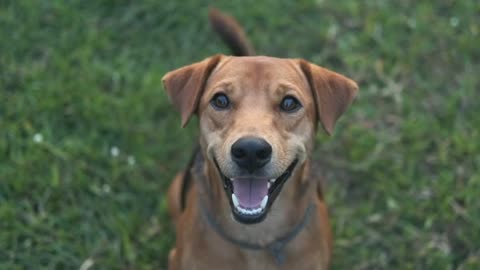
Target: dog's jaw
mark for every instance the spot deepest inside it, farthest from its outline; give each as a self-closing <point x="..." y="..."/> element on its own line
<point x="251" y="198"/>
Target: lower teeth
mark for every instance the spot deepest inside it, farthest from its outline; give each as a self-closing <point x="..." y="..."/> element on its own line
<point x="242" y="210"/>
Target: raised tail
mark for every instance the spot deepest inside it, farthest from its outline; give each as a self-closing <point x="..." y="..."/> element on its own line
<point x="231" y="33"/>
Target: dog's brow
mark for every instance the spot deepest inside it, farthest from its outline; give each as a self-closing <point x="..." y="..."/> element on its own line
<point x="226" y="86"/>
<point x="222" y="84"/>
<point x="284" y="88"/>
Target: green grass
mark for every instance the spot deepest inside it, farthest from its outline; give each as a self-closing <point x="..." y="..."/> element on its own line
<point x="403" y="167"/>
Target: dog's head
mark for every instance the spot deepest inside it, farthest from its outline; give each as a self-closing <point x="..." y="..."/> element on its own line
<point x="258" y="116"/>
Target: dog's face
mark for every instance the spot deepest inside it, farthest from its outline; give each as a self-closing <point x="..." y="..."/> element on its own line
<point x="258" y="116"/>
<point x="257" y="119"/>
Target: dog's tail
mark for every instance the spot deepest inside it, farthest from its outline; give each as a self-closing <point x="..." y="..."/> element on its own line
<point x="231" y="33"/>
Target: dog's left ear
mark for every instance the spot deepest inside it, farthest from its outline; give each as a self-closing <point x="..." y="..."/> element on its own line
<point x="185" y="85"/>
<point x="333" y="93"/>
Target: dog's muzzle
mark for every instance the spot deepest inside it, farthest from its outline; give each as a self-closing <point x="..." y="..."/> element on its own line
<point x="251" y="197"/>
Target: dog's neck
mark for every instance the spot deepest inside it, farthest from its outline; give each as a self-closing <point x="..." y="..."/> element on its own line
<point x="288" y="209"/>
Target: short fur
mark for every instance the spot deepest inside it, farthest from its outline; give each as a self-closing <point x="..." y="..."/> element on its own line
<point x="256" y="85"/>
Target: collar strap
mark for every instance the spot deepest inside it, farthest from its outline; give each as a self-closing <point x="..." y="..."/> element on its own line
<point x="276" y="247"/>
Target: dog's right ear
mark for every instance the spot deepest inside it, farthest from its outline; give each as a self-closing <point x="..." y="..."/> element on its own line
<point x="185" y="85"/>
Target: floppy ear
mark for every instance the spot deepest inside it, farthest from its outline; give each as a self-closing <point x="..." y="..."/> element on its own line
<point x="333" y="93"/>
<point x="185" y="85"/>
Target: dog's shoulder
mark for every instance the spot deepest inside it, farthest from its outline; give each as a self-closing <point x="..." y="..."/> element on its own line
<point x="192" y="171"/>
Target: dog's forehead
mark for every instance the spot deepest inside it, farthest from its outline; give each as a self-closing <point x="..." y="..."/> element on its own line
<point x="259" y="69"/>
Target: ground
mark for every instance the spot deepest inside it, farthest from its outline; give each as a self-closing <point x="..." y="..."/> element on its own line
<point x="89" y="141"/>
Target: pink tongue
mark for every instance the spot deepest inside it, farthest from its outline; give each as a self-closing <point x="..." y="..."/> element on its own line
<point x="250" y="192"/>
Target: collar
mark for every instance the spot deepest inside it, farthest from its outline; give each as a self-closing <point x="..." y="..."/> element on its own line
<point x="276" y="247"/>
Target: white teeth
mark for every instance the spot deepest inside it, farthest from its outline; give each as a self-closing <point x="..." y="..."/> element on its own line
<point x="249" y="211"/>
<point x="231" y="179"/>
<point x="264" y="202"/>
<point x="268" y="185"/>
<point x="272" y="180"/>
<point x="256" y="211"/>
<point x="235" y="201"/>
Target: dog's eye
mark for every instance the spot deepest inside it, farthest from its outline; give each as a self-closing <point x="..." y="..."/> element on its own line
<point x="220" y="101"/>
<point x="290" y="104"/>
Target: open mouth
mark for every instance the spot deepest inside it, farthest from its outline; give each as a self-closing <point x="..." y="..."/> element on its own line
<point x="251" y="197"/>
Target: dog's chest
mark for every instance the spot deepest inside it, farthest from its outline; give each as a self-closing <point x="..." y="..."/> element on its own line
<point x="229" y="257"/>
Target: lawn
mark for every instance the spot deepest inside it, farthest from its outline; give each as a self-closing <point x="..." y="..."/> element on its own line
<point x="89" y="142"/>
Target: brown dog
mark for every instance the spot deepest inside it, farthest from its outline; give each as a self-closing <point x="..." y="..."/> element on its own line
<point x="247" y="200"/>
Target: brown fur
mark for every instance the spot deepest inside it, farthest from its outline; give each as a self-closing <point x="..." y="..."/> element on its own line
<point x="231" y="33"/>
<point x="255" y="85"/>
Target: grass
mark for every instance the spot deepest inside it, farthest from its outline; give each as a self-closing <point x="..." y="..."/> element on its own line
<point x="89" y="142"/>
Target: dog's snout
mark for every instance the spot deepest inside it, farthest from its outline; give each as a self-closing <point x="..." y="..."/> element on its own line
<point x="251" y="153"/>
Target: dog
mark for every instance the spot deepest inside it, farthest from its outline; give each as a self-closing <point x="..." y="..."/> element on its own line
<point x="247" y="199"/>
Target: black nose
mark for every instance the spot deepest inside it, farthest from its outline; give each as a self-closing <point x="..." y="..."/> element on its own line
<point x="251" y="153"/>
